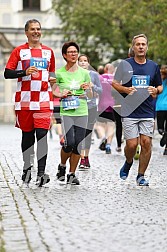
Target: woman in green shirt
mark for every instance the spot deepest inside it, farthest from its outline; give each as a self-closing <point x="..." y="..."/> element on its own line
<point x="75" y="87"/>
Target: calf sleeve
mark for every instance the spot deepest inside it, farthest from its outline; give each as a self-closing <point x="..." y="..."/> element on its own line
<point x="27" y="146"/>
<point x="42" y="149"/>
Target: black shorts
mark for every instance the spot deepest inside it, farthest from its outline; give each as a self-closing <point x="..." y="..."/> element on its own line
<point x="56" y="113"/>
<point x="105" y="116"/>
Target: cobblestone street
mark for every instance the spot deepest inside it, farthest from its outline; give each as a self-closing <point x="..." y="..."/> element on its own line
<point x="104" y="213"/>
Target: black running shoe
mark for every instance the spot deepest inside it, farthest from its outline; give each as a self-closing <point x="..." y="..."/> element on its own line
<point x="61" y="173"/>
<point x="163" y="139"/>
<point x="72" y="179"/>
<point x="26" y="176"/>
<point x="102" y="146"/>
<point x="42" y="180"/>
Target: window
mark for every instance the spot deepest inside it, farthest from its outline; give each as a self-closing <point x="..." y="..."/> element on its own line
<point x="31" y="5"/>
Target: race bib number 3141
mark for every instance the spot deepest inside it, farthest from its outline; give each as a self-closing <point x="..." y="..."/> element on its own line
<point x="141" y="81"/>
<point x="40" y="63"/>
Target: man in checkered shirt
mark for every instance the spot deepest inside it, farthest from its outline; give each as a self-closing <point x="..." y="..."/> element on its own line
<point x="33" y="64"/>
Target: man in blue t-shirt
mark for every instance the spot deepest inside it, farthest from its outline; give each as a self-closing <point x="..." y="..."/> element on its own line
<point x="139" y="82"/>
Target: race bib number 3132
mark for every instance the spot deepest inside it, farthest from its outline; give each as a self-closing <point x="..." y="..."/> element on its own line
<point x="40" y="63"/>
<point x="141" y="81"/>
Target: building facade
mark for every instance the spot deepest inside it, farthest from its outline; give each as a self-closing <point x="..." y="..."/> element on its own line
<point x="13" y="16"/>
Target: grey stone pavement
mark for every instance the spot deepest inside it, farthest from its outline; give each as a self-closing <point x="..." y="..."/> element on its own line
<point x="104" y="213"/>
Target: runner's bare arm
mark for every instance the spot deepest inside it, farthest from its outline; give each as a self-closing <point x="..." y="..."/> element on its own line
<point x="154" y="91"/>
<point x="122" y="89"/>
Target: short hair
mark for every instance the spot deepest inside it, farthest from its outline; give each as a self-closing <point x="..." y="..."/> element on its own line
<point x="67" y="45"/>
<point x="30" y="22"/>
<point x="100" y="69"/>
<point x="109" y="68"/>
<point x="130" y="52"/>
<point x="139" y="36"/>
<point x="81" y="55"/>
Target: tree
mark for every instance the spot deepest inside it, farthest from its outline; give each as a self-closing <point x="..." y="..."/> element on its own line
<point x="104" y="29"/>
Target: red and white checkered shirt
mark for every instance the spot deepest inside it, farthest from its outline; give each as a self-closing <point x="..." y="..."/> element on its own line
<point x="33" y="91"/>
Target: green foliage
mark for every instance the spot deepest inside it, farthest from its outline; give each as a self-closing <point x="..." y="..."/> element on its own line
<point x="104" y="29"/>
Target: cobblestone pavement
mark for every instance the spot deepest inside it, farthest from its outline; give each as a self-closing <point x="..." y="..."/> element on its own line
<point x="102" y="214"/>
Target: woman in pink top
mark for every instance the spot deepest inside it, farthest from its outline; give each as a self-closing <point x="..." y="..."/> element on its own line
<point x="106" y="119"/>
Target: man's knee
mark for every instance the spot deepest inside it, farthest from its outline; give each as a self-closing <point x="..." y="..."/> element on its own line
<point x="146" y="144"/>
<point x="131" y="145"/>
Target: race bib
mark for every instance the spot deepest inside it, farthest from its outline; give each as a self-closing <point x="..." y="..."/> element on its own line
<point x="141" y="81"/>
<point x="70" y="102"/>
<point x="40" y="63"/>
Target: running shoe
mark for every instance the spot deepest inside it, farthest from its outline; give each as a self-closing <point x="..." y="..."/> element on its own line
<point x="163" y="139"/>
<point x="42" y="180"/>
<point x="26" y="176"/>
<point x="82" y="164"/>
<point x="124" y="172"/>
<point x="87" y="164"/>
<point x="141" y="181"/>
<point x="102" y="146"/>
<point x="108" y="150"/>
<point x="72" y="179"/>
<point x="61" y="173"/>
<point x="118" y="149"/>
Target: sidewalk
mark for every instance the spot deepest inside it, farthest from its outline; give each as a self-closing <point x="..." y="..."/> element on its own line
<point x="104" y="213"/>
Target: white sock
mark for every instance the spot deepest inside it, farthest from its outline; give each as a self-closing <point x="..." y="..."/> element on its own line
<point x="64" y="165"/>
